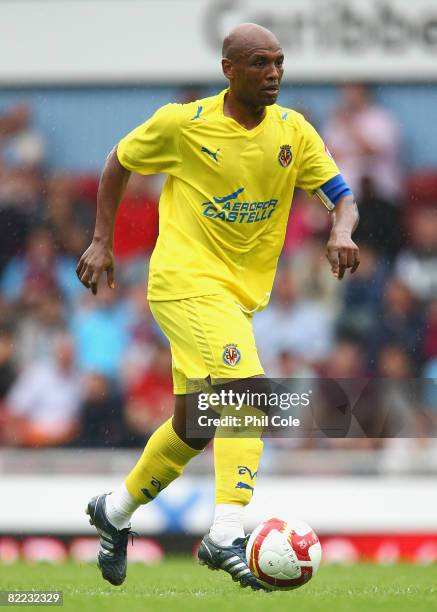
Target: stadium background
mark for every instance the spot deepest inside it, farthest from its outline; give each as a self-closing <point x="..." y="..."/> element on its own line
<point x="84" y="380"/>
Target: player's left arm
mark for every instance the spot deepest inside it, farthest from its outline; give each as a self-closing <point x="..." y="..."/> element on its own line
<point x="341" y="251"/>
<point x="319" y="175"/>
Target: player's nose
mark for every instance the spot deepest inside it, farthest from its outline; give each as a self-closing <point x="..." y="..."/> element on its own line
<point x="273" y="74"/>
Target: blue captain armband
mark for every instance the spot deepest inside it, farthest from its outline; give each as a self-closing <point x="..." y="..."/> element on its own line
<point x="332" y="191"/>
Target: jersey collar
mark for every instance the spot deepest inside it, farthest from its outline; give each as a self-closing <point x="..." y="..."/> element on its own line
<point x="249" y="133"/>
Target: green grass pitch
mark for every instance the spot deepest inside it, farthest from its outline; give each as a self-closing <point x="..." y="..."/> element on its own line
<point x="180" y="584"/>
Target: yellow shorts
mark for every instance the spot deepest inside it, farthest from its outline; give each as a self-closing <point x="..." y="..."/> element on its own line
<point x="210" y="336"/>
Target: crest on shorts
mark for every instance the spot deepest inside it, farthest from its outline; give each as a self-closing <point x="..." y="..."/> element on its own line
<point x="231" y="355"/>
<point x="285" y="155"/>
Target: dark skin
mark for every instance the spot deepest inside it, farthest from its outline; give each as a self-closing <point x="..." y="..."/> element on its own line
<point x="341" y="251"/>
<point x="99" y="258"/>
<point x="253" y="64"/>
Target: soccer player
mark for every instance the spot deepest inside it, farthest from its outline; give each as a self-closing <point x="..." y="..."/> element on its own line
<point x="233" y="161"/>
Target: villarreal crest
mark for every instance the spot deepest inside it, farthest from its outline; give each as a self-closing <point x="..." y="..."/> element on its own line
<point x="231" y="354"/>
<point x="285" y="155"/>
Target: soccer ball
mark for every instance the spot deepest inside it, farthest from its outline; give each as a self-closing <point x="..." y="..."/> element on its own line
<point x="282" y="555"/>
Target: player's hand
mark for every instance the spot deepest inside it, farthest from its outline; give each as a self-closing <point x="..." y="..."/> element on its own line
<point x="342" y="253"/>
<point x="97" y="259"/>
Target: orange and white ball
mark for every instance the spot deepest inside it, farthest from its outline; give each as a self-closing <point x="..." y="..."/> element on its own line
<point x="283" y="555"/>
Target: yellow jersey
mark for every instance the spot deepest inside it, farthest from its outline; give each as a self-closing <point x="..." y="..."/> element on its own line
<point x="224" y="207"/>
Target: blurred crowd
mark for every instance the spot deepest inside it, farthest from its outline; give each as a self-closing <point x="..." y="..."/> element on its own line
<point x="79" y="370"/>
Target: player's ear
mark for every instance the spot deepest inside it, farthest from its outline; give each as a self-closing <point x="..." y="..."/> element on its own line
<point x="227" y="67"/>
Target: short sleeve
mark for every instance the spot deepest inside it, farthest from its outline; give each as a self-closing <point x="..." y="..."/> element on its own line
<point x="153" y="147"/>
<point x="316" y="165"/>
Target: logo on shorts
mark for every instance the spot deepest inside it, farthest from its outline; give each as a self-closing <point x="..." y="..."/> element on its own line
<point x="231" y="355"/>
<point x="285" y="155"/>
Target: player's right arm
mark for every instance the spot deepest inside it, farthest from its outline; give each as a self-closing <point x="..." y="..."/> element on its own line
<point x="98" y="257"/>
<point x="150" y="148"/>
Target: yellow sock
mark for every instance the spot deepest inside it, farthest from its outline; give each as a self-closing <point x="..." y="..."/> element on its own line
<point x="236" y="465"/>
<point x="163" y="460"/>
<point x="236" y="459"/>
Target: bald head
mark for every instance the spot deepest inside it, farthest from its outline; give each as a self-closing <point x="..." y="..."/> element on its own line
<point x="253" y="64"/>
<point x="247" y="37"/>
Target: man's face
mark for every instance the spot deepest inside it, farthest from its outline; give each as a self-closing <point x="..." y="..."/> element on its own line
<point x="255" y="76"/>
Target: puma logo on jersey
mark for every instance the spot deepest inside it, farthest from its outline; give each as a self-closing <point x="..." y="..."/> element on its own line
<point x="198" y="113"/>
<point x="210" y="153"/>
